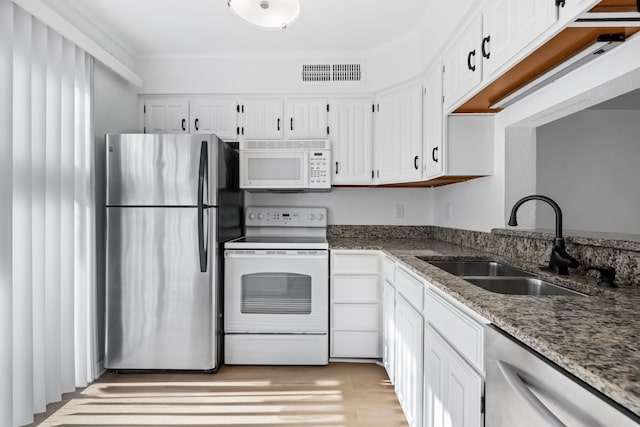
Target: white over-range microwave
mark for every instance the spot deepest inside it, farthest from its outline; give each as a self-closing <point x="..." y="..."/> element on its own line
<point x="285" y="165"/>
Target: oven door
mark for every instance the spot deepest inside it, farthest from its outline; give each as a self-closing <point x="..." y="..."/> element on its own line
<point x="276" y="291"/>
<point x="265" y="170"/>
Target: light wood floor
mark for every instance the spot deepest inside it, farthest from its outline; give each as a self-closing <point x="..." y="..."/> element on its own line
<point x="337" y="395"/>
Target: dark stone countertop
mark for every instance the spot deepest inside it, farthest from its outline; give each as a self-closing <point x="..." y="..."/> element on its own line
<point x="595" y="337"/>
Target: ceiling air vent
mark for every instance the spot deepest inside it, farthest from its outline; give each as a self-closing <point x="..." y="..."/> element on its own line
<point x="316" y="73"/>
<point x="331" y="73"/>
<point x="346" y="73"/>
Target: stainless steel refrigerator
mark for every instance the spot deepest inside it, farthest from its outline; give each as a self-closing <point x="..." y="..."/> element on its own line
<point x="171" y="203"/>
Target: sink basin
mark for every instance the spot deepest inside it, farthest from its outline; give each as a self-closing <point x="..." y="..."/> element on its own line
<point x="520" y="286"/>
<point x="478" y="268"/>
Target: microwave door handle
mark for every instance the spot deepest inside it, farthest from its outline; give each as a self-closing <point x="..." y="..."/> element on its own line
<point x="202" y="250"/>
<point x="526" y="396"/>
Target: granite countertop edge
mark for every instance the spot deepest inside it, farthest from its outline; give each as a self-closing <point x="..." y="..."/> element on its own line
<point x="580" y="334"/>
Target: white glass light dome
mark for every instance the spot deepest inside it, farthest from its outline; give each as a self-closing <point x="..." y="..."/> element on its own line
<point x="267" y="14"/>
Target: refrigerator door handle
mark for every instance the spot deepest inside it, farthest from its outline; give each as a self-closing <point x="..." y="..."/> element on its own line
<point x="202" y="250"/>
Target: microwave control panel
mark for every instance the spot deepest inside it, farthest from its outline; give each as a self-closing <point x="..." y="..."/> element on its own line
<point x="320" y="169"/>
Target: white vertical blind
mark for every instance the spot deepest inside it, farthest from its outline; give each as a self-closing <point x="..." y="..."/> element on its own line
<point x="6" y="168"/>
<point x="22" y="232"/>
<point x="38" y="179"/>
<point x="47" y="219"/>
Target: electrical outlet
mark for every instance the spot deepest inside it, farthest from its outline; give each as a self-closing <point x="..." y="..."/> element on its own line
<point x="449" y="209"/>
<point x="399" y="211"/>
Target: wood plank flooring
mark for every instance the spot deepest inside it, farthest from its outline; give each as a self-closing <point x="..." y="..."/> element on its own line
<point x="337" y="395"/>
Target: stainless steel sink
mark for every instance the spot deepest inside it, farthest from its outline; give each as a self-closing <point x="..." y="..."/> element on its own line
<point x="478" y="268"/>
<point x="500" y="278"/>
<point x="520" y="286"/>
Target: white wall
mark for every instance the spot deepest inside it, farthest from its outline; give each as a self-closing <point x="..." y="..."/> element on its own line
<point x="241" y="74"/>
<point x="588" y="163"/>
<point x="365" y="206"/>
<point x="115" y="108"/>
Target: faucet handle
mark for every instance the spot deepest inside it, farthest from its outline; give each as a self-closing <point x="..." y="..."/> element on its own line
<point x="607" y="276"/>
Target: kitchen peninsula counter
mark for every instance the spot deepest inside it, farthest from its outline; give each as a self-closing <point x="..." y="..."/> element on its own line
<point x="595" y="337"/>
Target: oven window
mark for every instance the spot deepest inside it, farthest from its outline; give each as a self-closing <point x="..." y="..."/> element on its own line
<point x="276" y="293"/>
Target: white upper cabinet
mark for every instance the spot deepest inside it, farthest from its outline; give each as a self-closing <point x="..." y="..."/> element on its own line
<point x="509" y="25"/>
<point x="215" y="115"/>
<point x="277" y="118"/>
<point x="166" y="115"/>
<point x="398" y="135"/>
<point x="432" y="125"/>
<point x="463" y="63"/>
<point x="262" y="118"/>
<point x="351" y="124"/>
<point x="307" y="118"/>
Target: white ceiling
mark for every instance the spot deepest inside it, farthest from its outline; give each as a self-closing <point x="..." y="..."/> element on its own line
<point x="207" y="27"/>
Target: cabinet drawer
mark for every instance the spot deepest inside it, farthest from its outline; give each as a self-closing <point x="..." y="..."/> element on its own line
<point x="355" y="344"/>
<point x="355" y="288"/>
<point x="357" y="263"/>
<point x="410" y="287"/>
<point x="462" y="332"/>
<point x="389" y="270"/>
<point x="355" y="317"/>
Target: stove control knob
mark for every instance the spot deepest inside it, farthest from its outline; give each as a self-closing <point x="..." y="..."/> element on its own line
<point x="252" y="216"/>
<point x="311" y="217"/>
<point x="320" y="217"/>
<point x="260" y="216"/>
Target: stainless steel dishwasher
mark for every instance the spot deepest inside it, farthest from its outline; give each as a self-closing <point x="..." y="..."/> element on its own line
<point x="523" y="389"/>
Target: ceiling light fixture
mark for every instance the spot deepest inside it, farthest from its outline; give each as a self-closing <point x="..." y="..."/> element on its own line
<point x="266" y="14"/>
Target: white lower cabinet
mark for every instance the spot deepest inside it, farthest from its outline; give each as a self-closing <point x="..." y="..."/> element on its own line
<point x="408" y="360"/>
<point x="355" y="295"/>
<point x="453" y="389"/>
<point x="433" y="351"/>
<point x="389" y="328"/>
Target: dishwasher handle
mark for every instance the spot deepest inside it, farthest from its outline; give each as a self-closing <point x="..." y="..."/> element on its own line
<point x="522" y="391"/>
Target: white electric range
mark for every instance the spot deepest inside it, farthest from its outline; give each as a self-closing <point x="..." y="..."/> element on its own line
<point x="276" y="302"/>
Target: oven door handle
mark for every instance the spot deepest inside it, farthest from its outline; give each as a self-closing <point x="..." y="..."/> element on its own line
<point x="280" y="256"/>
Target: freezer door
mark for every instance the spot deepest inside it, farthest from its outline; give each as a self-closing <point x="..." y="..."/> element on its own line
<point x="157" y="169"/>
<point x="160" y="309"/>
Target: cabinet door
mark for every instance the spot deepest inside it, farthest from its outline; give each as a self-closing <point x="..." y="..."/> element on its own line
<point x="433" y="122"/>
<point x="385" y="138"/>
<point x="463" y="63"/>
<point x="388" y="329"/>
<point x="215" y="115"/>
<point x="262" y="118"/>
<point x="351" y="123"/>
<point x="306" y="118"/>
<point x="166" y="115"/>
<point x="355" y="298"/>
<point x="398" y="139"/>
<point x="453" y="390"/>
<point x="509" y="25"/>
<point x="409" y="361"/>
